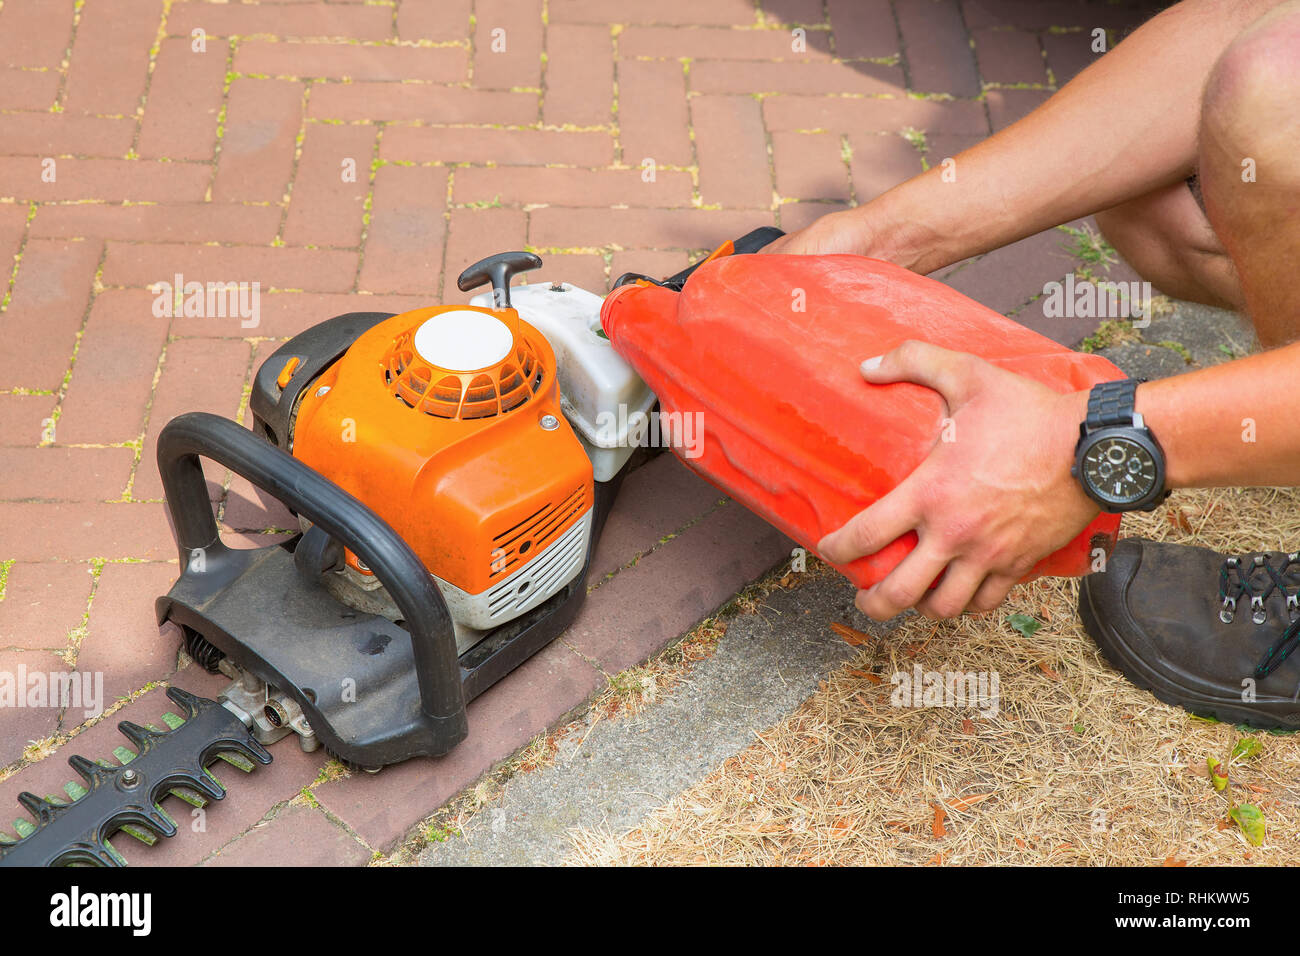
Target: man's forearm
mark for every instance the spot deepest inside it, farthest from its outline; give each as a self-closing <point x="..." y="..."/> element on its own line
<point x="1124" y="126"/>
<point x="1231" y="424"/>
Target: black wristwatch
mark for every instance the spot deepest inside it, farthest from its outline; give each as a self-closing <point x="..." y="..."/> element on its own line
<point x="1118" y="460"/>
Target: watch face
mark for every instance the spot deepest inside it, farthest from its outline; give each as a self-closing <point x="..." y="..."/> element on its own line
<point x="1119" y="470"/>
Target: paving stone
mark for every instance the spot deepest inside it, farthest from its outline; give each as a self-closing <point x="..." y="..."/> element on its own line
<point x="1068" y="54"/>
<point x="198" y="375"/>
<point x="112" y="381"/>
<point x="13" y="227"/>
<point x="863" y="28"/>
<point x="873" y="114"/>
<point x="731" y="146"/>
<point x="28" y="89"/>
<point x="287" y="313"/>
<point x="720" y="43"/>
<point x="35" y="33"/>
<point x="42" y="603"/>
<point x="936" y="47"/>
<point x="693" y="574"/>
<point x="256" y="158"/>
<point x="444" y="64"/>
<point x="296" y="836"/>
<point x="29" y="718"/>
<point x="806" y="12"/>
<point x="474" y="234"/>
<point x="653" y="122"/>
<point x="508" y="147"/>
<point x="123" y="642"/>
<point x="427" y="102"/>
<point x="660" y="498"/>
<point x="143" y="264"/>
<point x="444" y="21"/>
<point x="103" y="179"/>
<point x="743" y="76"/>
<point x="184" y="104"/>
<point x="23" y="418"/>
<point x="656" y="228"/>
<point x="46" y="311"/>
<point x="174" y="222"/>
<point x="810" y="166"/>
<point x="59" y="134"/>
<point x="881" y="162"/>
<point x="737" y="12"/>
<point x="67" y="531"/>
<point x="579" y="82"/>
<point x="329" y="191"/>
<point x="1009" y="277"/>
<point x="110" y="56"/>
<point x="67" y="474"/>
<point x="1042" y="14"/>
<point x="1009" y="56"/>
<point x="351" y="21"/>
<point x="404" y="244"/>
<point x="507" y="44"/>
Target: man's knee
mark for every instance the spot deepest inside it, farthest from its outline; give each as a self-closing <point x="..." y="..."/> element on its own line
<point x="1253" y="89"/>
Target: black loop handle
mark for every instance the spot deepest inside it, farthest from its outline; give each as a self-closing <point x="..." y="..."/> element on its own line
<point x="198" y="434"/>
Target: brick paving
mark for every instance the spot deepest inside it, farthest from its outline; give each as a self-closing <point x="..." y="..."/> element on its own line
<point x="352" y="155"/>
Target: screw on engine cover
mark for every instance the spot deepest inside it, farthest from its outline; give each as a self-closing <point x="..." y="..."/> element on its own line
<point x="322" y="390"/>
<point x="549" y="423"/>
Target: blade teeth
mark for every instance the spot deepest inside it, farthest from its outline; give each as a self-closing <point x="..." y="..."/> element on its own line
<point x="140" y="736"/>
<point x="206" y="784"/>
<point x="139" y="816"/>
<point x="40" y="808"/>
<point x="88" y="770"/>
<point x="186" y="700"/>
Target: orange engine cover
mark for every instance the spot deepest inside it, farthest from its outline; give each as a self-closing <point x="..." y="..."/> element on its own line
<point x="457" y="461"/>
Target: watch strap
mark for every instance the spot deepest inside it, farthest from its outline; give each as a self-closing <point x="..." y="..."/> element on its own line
<point x="1111" y="403"/>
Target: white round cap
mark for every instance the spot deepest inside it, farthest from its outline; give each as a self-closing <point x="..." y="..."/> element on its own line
<point x="463" y="340"/>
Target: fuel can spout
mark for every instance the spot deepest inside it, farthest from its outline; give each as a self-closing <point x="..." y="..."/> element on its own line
<point x="763" y="353"/>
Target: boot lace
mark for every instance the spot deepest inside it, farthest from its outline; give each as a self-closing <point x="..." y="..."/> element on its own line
<point x="1253" y="579"/>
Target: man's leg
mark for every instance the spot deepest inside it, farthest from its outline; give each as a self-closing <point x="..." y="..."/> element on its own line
<point x="1242" y="251"/>
<point x="1166" y="237"/>
<point x="1250" y="171"/>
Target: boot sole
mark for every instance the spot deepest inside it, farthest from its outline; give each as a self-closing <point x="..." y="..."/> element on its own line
<point x="1279" y="715"/>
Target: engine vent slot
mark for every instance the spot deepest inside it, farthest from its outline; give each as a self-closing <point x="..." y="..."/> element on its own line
<point x="543" y="577"/>
<point x="532" y="534"/>
<point x="461" y="395"/>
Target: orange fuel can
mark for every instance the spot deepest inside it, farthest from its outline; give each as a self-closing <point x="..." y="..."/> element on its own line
<point x="761" y="352"/>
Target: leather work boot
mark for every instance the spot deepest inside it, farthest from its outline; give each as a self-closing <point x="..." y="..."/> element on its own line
<point x="1208" y="632"/>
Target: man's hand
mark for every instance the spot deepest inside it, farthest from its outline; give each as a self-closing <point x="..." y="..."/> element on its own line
<point x="838" y="232"/>
<point x="986" y="505"/>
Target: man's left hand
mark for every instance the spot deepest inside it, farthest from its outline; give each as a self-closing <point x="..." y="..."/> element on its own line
<point x="987" y="504"/>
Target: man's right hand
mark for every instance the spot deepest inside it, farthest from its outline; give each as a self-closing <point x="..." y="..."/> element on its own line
<point x="838" y="232"/>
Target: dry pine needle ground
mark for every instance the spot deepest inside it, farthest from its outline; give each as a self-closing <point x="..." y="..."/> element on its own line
<point x="1077" y="767"/>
